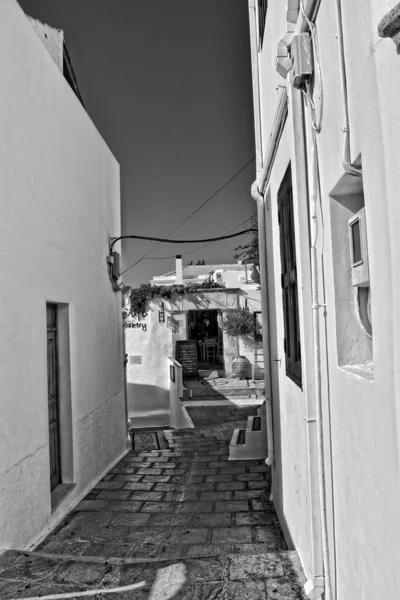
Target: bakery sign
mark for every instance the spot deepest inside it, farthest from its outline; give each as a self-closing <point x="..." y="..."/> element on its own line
<point x="131" y="324"/>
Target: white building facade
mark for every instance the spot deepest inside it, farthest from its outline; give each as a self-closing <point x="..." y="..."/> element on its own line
<point x="151" y="338"/>
<point x="62" y="396"/>
<point x="326" y="87"/>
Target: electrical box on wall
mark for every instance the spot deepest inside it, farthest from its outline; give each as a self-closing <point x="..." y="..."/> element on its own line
<point x="300" y="51"/>
<point x="359" y="249"/>
<point x="116" y="271"/>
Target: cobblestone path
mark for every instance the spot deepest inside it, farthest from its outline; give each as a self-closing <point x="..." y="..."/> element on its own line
<point x="177" y="524"/>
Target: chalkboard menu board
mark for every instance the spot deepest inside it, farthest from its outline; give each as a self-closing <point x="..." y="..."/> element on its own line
<point x="186" y="355"/>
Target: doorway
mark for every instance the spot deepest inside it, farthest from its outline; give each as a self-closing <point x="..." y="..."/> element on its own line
<point x="205" y="326"/>
<point x="53" y="394"/>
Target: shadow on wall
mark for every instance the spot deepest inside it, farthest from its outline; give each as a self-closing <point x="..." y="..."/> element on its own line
<point x="147" y="399"/>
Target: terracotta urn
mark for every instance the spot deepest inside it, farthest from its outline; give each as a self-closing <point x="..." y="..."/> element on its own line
<point x="240" y="367"/>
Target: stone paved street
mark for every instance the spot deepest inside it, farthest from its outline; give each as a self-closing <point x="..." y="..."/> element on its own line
<point x="183" y="523"/>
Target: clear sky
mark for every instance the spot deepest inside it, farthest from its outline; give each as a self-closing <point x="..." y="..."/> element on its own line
<point x="168" y="85"/>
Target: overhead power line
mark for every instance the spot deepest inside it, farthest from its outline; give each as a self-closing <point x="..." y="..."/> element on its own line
<point x="168" y="241"/>
<point x="191" y="215"/>
<point x="200" y="247"/>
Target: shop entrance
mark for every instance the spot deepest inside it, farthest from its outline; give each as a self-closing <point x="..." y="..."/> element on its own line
<point x="205" y="326"/>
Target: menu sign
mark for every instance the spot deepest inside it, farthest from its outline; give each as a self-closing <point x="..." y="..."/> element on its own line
<point x="186" y="355"/>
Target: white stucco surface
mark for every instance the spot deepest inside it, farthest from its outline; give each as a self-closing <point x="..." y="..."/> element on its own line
<point x="59" y="186"/>
<point x="148" y="345"/>
<point x="360" y="413"/>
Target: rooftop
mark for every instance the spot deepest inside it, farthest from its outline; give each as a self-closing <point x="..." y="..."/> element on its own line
<point x="192" y="271"/>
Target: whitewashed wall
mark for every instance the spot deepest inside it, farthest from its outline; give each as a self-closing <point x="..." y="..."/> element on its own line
<point x="59" y="194"/>
<point x="361" y="416"/>
<point x="150" y="343"/>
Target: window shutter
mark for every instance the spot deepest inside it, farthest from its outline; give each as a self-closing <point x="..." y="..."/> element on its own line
<point x="292" y="346"/>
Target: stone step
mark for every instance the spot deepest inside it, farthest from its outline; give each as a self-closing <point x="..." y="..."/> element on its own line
<point x="223" y="392"/>
<point x="253" y="444"/>
<point x="211" y="373"/>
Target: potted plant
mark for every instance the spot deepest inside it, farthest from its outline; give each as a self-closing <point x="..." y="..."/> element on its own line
<point x="237" y="323"/>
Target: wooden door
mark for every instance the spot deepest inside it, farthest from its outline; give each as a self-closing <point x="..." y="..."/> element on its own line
<point x="53" y="399"/>
<point x="289" y="280"/>
<point x="220" y="337"/>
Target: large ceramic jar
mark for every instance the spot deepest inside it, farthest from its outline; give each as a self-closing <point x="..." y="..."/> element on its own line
<point x="240" y="367"/>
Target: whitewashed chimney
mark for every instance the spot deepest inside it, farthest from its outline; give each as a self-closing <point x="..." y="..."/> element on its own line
<point x="179" y="276"/>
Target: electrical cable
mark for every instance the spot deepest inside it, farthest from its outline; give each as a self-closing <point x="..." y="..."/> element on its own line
<point x="201" y="247"/>
<point x="191" y="215"/>
<point x="316" y="123"/>
<point x="168" y="241"/>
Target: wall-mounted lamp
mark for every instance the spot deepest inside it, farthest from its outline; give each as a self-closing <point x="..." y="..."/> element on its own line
<point x="161" y="314"/>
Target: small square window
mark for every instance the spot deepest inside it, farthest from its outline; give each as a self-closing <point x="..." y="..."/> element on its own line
<point x="356" y="242"/>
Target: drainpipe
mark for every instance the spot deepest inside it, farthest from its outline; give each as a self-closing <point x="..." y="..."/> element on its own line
<point x="262" y="241"/>
<point x="315" y="586"/>
<point x="257" y="192"/>
<point x="256" y="85"/>
<point x="316" y="307"/>
<point x="348" y="167"/>
<point x="261" y="229"/>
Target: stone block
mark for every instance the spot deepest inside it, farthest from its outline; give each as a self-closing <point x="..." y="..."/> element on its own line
<point x="127" y="506"/>
<point x="123" y="477"/>
<point x="231" y="535"/>
<point x="131" y="519"/>
<point x="197" y="507"/>
<point x="212" y="520"/>
<point x="233" y="591"/>
<point x="232" y="506"/>
<point x="231" y="486"/>
<point x="131" y="485"/>
<point x="145" y="495"/>
<point x="219" y="478"/>
<point x="156" y="479"/>
<point x="250" y="476"/>
<point x="149" y="471"/>
<point x="258" y="485"/>
<point x="188" y="536"/>
<point x="109" y="485"/>
<point x="253" y="518"/>
<point x="227" y="495"/>
<point x="255" y="567"/>
<point x="113" y="495"/>
<point x="250" y="495"/>
<point x="159" y="507"/>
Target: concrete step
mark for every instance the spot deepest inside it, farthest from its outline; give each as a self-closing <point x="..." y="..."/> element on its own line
<point x="218" y="393"/>
<point x="211" y="373"/>
<point x="252" y="442"/>
<point x="223" y="391"/>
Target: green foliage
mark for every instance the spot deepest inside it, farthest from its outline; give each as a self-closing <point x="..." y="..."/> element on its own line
<point x="250" y="249"/>
<point x="140" y="297"/>
<point x="239" y="322"/>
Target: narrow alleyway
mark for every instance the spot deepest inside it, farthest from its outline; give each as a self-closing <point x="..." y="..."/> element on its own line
<point x="182" y="523"/>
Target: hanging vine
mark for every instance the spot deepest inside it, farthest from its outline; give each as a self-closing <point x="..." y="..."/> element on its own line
<point x="140" y="297"/>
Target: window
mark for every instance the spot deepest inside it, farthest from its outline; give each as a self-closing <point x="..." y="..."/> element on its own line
<point x="289" y="280"/>
<point x="356" y="242"/>
<point x="262" y="13"/>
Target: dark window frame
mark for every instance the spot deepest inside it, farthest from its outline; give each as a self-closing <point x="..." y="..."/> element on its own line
<point x="291" y="317"/>
<point x="262" y="13"/>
